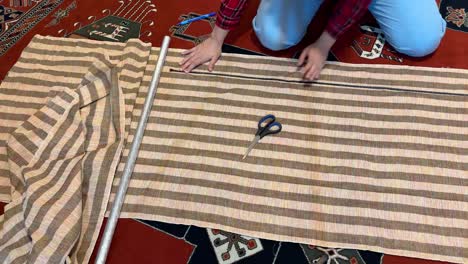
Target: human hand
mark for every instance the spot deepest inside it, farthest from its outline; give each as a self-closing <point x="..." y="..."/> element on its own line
<point x="208" y="50"/>
<point x="313" y="57"/>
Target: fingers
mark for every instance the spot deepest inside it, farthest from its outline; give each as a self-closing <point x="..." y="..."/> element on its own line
<point x="190" y="64"/>
<point x="317" y="74"/>
<point x="190" y="67"/>
<point x="311" y="74"/>
<point x="187" y="57"/>
<point x="185" y="52"/>
<point x="193" y="62"/>
<point x="311" y="71"/>
<point x="212" y="63"/>
<point x="306" y="69"/>
<point x="302" y="57"/>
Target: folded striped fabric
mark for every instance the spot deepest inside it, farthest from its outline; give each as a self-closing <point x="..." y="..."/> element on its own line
<point x="64" y="125"/>
<point x="370" y="156"/>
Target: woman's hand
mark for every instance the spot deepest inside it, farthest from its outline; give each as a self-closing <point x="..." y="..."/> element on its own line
<point x="313" y="57"/>
<point x="208" y="50"/>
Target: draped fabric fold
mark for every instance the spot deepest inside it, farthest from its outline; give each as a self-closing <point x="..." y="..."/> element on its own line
<point x="62" y="161"/>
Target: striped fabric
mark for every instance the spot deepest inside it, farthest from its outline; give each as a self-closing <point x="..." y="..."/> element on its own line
<point x="370" y="157"/>
<point x="61" y="160"/>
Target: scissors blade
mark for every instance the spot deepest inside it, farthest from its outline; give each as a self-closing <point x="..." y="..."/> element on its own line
<point x="254" y="142"/>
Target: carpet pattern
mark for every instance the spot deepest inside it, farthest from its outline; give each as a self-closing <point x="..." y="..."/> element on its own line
<point x="155" y="19"/>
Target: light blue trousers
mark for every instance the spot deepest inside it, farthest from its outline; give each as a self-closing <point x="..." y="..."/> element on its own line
<point x="412" y="27"/>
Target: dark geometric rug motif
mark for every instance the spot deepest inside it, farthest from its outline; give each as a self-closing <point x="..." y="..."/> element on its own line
<point x="61" y="14"/>
<point x="323" y="255"/>
<point x="371" y="44"/>
<point x="121" y="24"/>
<point x="17" y="18"/>
<point x="455" y="13"/>
<point x="217" y="246"/>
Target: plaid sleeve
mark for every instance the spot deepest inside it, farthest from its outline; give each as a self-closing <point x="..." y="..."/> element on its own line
<point x="229" y="13"/>
<point x="345" y="14"/>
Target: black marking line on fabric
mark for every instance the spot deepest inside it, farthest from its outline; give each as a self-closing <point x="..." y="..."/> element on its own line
<point x="318" y="82"/>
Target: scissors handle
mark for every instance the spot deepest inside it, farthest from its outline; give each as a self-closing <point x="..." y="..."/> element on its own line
<point x="268" y="126"/>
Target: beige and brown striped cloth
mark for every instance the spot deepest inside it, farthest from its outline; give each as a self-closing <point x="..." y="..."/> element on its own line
<point x="370" y="157"/>
<point x="64" y="122"/>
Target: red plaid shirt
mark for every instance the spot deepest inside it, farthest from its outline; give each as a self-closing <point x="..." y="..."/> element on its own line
<point x="345" y="14"/>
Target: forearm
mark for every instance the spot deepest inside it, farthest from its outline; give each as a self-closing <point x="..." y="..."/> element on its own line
<point x="325" y="41"/>
<point x="219" y="34"/>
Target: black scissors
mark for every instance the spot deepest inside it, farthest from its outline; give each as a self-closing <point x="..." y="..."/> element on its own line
<point x="266" y="126"/>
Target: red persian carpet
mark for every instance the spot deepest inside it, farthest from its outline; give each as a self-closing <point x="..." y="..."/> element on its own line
<point x="138" y="241"/>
